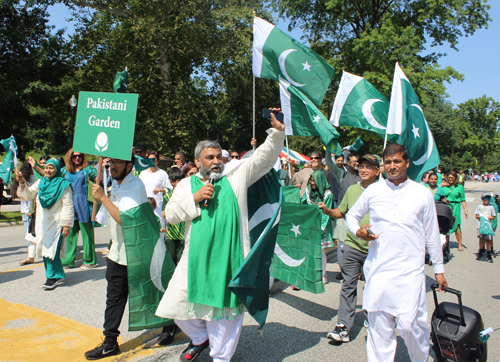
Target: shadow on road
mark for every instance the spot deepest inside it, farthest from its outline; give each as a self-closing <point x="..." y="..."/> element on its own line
<point x="312" y="309"/>
<point x="11" y="276"/>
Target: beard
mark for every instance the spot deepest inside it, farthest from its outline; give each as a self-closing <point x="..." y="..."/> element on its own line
<point x="121" y="175"/>
<point x="205" y="172"/>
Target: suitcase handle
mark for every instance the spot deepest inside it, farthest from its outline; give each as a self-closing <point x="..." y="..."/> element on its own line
<point x="458" y="293"/>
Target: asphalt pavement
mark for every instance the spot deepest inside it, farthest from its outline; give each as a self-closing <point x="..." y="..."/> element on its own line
<point x="296" y="328"/>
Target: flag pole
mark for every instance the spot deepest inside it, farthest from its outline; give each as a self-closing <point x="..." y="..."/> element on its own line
<point x="288" y="157"/>
<point x="98" y="182"/>
<point x="253" y="86"/>
<point x="385" y="144"/>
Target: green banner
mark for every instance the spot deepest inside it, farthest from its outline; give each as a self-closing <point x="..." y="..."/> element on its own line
<point x="105" y="124"/>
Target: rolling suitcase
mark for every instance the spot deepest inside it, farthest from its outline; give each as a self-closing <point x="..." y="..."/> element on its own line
<point x="455" y="330"/>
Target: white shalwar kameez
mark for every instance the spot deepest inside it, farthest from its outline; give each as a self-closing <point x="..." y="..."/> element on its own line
<point x="152" y="180"/>
<point x="404" y="217"/>
<point x="223" y="334"/>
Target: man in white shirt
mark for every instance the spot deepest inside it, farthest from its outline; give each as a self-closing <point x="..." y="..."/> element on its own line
<point x="404" y="223"/>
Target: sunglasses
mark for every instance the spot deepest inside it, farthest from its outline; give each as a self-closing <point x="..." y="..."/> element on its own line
<point x="314" y="158"/>
<point x="77" y="156"/>
<point x="237" y="157"/>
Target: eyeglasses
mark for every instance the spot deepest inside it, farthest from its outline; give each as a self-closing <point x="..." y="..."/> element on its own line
<point x="77" y="156"/>
<point x="369" y="168"/>
<point x="237" y="157"/>
<point x="451" y="178"/>
<point x="115" y="163"/>
<point x="314" y="158"/>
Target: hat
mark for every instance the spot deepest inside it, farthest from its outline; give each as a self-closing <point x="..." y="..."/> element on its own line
<point x="485" y="195"/>
<point x="371" y="159"/>
<point x="225" y="154"/>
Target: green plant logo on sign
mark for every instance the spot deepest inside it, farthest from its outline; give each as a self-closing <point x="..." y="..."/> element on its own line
<point x="105" y="124"/>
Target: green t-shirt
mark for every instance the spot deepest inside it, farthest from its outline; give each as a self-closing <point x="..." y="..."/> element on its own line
<point x="351" y="196"/>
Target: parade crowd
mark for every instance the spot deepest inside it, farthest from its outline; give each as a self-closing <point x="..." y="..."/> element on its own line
<point x="382" y="227"/>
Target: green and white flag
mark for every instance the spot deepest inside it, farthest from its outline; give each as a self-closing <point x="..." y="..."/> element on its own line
<point x="407" y="121"/>
<point x="10" y="160"/>
<point x="149" y="266"/>
<point x="356" y="146"/>
<point x="141" y="164"/>
<point x="120" y="83"/>
<point x="358" y="104"/>
<point x="297" y="254"/>
<point x="276" y="54"/>
<point x="302" y="118"/>
<point x="251" y="282"/>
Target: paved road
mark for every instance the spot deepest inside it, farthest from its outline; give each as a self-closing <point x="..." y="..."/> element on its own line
<point x="295" y="331"/>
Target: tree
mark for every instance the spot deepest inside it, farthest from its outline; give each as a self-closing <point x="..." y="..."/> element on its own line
<point x="32" y="63"/>
<point x="479" y="129"/>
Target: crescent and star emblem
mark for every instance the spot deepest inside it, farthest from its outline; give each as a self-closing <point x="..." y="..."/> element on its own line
<point x="139" y="161"/>
<point x="430" y="140"/>
<point x="367" y="113"/>
<point x="281" y="61"/>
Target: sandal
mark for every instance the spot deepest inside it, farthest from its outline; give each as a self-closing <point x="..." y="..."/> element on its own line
<point x="460" y="249"/>
<point x="192" y="352"/>
<point x="27" y="261"/>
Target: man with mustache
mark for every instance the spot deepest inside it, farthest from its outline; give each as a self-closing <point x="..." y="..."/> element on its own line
<point x="216" y="242"/>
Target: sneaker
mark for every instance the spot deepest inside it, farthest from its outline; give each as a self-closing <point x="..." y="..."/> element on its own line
<point x="167" y="335"/>
<point x="192" y="352"/>
<point x="479" y="254"/>
<point x="88" y="266"/>
<point x="107" y="348"/>
<point x="52" y="284"/>
<point x="339" y="334"/>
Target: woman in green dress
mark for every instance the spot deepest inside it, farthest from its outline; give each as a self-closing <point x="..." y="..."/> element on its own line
<point x="454" y="193"/>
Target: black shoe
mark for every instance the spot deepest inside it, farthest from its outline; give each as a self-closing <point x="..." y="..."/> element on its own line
<point x="52" y="284"/>
<point x="167" y="335"/>
<point x="107" y="348"/>
<point x="479" y="254"/>
<point x="339" y="334"/>
<point x="192" y="352"/>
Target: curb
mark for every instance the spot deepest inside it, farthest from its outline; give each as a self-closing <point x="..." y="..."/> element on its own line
<point x="13" y="223"/>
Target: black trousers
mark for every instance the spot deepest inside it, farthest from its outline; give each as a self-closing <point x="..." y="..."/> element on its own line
<point x="116" y="297"/>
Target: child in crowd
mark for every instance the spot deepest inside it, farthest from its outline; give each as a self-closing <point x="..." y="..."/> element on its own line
<point x="174" y="237"/>
<point x="485" y="214"/>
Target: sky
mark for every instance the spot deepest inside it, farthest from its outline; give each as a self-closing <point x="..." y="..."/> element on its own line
<point x="477" y="58"/>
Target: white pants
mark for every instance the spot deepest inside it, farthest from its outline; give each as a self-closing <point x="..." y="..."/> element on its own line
<point x="223" y="335"/>
<point x="381" y="344"/>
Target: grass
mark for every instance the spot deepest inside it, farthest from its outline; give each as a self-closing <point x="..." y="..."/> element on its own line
<point x="11" y="216"/>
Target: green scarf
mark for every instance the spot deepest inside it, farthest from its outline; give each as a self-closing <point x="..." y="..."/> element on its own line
<point x="322" y="185"/>
<point x="51" y="189"/>
<point x="214" y="251"/>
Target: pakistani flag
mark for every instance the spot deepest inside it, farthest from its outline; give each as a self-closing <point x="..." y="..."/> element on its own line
<point x="251" y="282"/>
<point x="149" y="266"/>
<point x="297" y="255"/>
<point x="10" y="160"/>
<point x="407" y="121"/>
<point x="356" y="146"/>
<point x="358" y="104"/>
<point x="120" y="83"/>
<point x="276" y="54"/>
<point x="141" y="164"/>
<point x="302" y="118"/>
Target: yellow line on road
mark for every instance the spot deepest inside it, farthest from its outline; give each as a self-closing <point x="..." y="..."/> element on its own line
<point x="31" y="334"/>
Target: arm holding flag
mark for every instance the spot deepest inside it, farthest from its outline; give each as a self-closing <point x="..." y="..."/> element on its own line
<point x="336" y="171"/>
<point x="113" y="210"/>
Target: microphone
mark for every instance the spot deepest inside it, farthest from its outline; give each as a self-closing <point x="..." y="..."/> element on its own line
<point x="213" y="175"/>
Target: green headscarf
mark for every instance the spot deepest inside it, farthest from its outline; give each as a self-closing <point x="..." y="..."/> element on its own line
<point x="322" y="185"/>
<point x="51" y="189"/>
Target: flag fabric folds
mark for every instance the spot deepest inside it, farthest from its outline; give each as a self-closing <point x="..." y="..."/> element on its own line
<point x="356" y="146"/>
<point x="359" y="104"/>
<point x="141" y="164"/>
<point x="251" y="282"/>
<point x="10" y="160"/>
<point x="120" y="83"/>
<point x="297" y="254"/>
<point x="407" y="120"/>
<point x="276" y="54"/>
<point x="149" y="266"/>
<point x="302" y="118"/>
